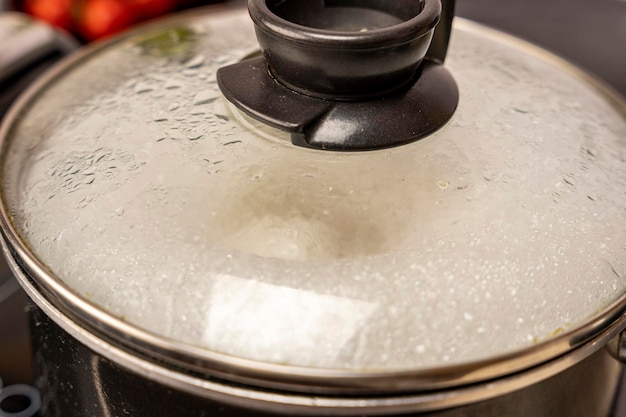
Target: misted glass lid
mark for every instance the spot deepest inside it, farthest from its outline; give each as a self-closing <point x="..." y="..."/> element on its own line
<point x="131" y="178"/>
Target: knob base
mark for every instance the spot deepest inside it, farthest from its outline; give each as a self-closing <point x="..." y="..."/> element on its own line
<point x="394" y="120"/>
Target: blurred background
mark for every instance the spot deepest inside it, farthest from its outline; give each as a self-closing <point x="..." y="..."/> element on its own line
<point x="89" y="20"/>
<point x="591" y="33"/>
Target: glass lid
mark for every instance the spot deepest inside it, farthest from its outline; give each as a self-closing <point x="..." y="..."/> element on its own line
<point x="137" y="185"/>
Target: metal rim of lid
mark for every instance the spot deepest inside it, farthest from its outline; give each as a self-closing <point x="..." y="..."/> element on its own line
<point x="180" y="356"/>
<point x="301" y="403"/>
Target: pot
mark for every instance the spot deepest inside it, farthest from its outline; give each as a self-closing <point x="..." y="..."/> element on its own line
<point x="225" y="234"/>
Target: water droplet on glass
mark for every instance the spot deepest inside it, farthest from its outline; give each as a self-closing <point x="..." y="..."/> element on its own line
<point x="569" y="181"/>
<point x="173" y="84"/>
<point x="100" y="155"/>
<point x="194" y="136"/>
<point x="175" y="135"/>
<point x="141" y="88"/>
<point x="195" y="62"/>
<point x="84" y="202"/>
<point x="204" y="97"/>
<point x="160" y="117"/>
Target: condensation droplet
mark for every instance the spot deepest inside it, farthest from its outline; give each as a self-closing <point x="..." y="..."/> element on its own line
<point x="204" y="97"/>
<point x="173" y="84"/>
<point x="141" y="88"/>
<point x="160" y="117"/>
<point x="194" y="136"/>
<point x="195" y="62"/>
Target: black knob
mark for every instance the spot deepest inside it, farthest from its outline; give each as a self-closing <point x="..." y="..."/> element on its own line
<point x="344" y="49"/>
<point x="347" y="74"/>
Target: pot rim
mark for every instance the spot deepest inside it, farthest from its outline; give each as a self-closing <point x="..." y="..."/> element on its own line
<point x="301" y="403"/>
<point x="49" y="292"/>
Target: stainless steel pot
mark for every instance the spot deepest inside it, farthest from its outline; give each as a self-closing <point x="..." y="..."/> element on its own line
<point x="112" y="383"/>
<point x="257" y="275"/>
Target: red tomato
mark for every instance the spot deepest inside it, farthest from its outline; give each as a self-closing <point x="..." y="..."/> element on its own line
<point x="55" y="12"/>
<point x="100" y="18"/>
<point x="148" y="9"/>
